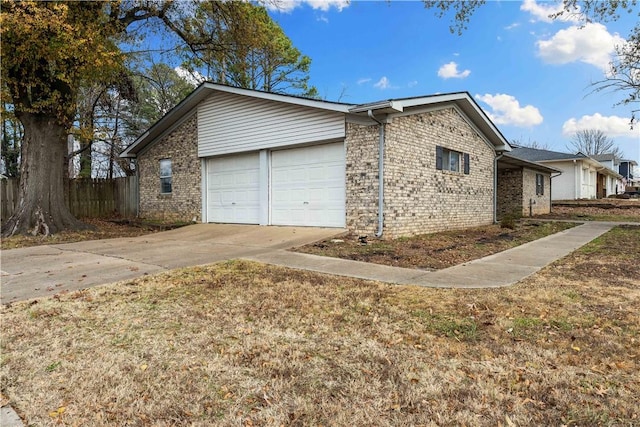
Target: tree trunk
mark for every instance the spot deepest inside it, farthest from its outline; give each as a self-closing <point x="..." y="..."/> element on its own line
<point x="41" y="207"/>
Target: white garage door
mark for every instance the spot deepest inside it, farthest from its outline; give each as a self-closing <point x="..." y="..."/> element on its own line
<point x="308" y="186"/>
<point x="233" y="189"/>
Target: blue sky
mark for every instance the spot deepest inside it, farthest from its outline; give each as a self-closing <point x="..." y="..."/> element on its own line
<point x="530" y="74"/>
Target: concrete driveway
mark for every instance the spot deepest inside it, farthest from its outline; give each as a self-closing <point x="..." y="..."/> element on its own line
<point x="46" y="270"/>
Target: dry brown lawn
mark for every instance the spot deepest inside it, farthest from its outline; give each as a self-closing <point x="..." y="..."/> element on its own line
<point x="437" y="250"/>
<point x="597" y="210"/>
<point x="100" y="229"/>
<point x="246" y="344"/>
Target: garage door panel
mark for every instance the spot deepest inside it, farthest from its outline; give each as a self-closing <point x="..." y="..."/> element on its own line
<point x="308" y="186"/>
<point x="233" y="193"/>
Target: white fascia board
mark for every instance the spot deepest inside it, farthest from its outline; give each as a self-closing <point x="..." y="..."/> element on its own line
<point x="203" y="91"/>
<point x="387" y="106"/>
<point x="474" y="118"/>
<point x="471" y="110"/>
<point x="306" y="102"/>
<point x="127" y="152"/>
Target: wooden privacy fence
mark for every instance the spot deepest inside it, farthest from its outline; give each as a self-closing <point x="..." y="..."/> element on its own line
<point x="92" y="198"/>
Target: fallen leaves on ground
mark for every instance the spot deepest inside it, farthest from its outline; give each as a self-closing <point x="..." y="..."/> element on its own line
<point x="241" y="343"/>
<point x="438" y="250"/>
<point x="102" y="229"/>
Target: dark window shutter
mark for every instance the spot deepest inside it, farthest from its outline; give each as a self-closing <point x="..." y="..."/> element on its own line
<point x="438" y="157"/>
<point x="539" y="184"/>
<point x="466" y="163"/>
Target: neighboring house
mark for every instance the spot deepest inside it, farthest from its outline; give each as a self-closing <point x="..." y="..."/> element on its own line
<point x="524" y="187"/>
<point x="234" y="155"/>
<point x="630" y="175"/>
<point x="582" y="177"/>
<point x="608" y="182"/>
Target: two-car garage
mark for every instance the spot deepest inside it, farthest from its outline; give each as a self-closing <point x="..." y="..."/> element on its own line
<point x="302" y="186"/>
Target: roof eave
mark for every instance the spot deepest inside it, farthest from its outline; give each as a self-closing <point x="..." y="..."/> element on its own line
<point x="202" y="92"/>
<point x="528" y="163"/>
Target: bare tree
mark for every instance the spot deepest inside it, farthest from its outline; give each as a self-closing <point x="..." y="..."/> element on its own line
<point x="593" y="142"/>
<point x="531" y="143"/>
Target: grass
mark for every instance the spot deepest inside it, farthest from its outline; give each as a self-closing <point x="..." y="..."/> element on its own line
<point x="597" y="210"/>
<point x="101" y="229"/>
<point x="438" y="250"/>
<point x="241" y="343"/>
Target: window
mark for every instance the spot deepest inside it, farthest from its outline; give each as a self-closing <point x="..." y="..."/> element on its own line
<point x="539" y="184"/>
<point x="165" y="176"/>
<point x="451" y="160"/>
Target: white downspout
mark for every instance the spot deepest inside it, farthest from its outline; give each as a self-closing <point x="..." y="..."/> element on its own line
<point x="495" y="187"/>
<point x="380" y="173"/>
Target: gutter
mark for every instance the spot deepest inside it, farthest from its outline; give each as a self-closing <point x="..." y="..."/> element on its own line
<point x="380" y="173"/>
<point x="495" y="186"/>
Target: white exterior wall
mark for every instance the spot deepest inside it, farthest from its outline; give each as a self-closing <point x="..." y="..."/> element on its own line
<point x="578" y="180"/>
<point x="563" y="187"/>
<point x="231" y="123"/>
<point x="611" y="185"/>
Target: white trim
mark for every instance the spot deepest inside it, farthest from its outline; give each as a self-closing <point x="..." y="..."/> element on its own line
<point x="203" y="189"/>
<point x="463" y="115"/>
<point x="264" y="187"/>
<point x="163" y="134"/>
<point x="307" y="102"/>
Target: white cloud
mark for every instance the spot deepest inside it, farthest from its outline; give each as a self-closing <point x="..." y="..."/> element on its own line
<point x="286" y="6"/>
<point x="507" y="111"/>
<point x="512" y="26"/>
<point x="542" y="12"/>
<point x="363" y="80"/>
<point x="383" y="83"/>
<point x="322" y="18"/>
<point x="193" y="77"/>
<point x="325" y="5"/>
<point x="612" y="126"/>
<point x="591" y="44"/>
<point x="412" y="83"/>
<point x="450" y="71"/>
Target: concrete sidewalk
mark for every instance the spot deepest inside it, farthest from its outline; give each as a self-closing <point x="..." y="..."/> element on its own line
<point x="501" y="269"/>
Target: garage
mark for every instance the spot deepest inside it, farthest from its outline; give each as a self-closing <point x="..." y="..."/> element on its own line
<point x="233" y="189"/>
<point x="308" y="186"/>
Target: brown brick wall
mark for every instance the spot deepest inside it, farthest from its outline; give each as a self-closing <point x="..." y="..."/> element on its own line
<point x="517" y="187"/>
<point x="542" y="203"/>
<point x="185" y="202"/>
<point x="418" y="198"/>
<point x="510" y="192"/>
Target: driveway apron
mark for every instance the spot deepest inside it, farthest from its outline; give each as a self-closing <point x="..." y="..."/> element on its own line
<point x="46" y="270"/>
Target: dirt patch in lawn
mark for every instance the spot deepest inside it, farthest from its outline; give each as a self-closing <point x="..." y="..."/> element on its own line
<point x="438" y="250"/>
<point x="597" y="210"/>
<point x="100" y="229"/>
<point x="246" y="344"/>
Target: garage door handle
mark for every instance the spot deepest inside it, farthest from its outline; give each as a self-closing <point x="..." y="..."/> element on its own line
<point x="305" y="203"/>
<point x="233" y="203"/>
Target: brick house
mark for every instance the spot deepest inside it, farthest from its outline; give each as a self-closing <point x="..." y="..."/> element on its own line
<point x="234" y="155"/>
<point x="524" y="187"/>
<point x="582" y="177"/>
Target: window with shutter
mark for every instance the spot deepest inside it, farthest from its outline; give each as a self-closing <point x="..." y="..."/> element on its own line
<point x="450" y="160"/>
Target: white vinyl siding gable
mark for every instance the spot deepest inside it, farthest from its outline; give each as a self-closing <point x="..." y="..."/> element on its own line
<point x="230" y="123"/>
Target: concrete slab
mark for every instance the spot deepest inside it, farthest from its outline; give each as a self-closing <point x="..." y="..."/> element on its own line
<point x="46" y="270"/>
<point x="9" y="418"/>
<point x="502" y="269"/>
<point x="337" y="266"/>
